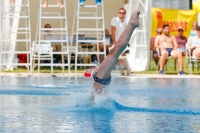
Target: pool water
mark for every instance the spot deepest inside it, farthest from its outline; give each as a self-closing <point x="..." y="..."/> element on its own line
<point x="129" y="104"/>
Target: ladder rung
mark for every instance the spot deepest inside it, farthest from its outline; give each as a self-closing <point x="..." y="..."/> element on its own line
<point x="90" y="52"/>
<point x="55" y="13"/>
<point x="16" y="28"/>
<point x="54" y="29"/>
<point x="90" y="41"/>
<point x="57" y="41"/>
<point x="90" y="6"/>
<point x="16" y="64"/>
<point x="17" y="40"/>
<point x="56" y="33"/>
<point x="141" y="16"/>
<point x="91" y="13"/>
<point x="13" y="12"/>
<point x="52" y="17"/>
<point x="16" y="32"/>
<point x="141" y="45"/>
<point x="65" y="52"/>
<point x="53" y="64"/>
<point x="91" y="32"/>
<point x="17" y="5"/>
<point x="90" y="29"/>
<point x="90" y="17"/>
<point x="86" y="64"/>
<point x="16" y="17"/>
<point x="53" y="6"/>
<point x="140" y="30"/>
<point x="16" y="52"/>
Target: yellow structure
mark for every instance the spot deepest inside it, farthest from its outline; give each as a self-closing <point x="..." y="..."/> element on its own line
<point x="196" y="5"/>
<point x="174" y="18"/>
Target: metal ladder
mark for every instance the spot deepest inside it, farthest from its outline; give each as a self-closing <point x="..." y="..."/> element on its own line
<point x="60" y="32"/>
<point x="95" y="29"/>
<point x="14" y="34"/>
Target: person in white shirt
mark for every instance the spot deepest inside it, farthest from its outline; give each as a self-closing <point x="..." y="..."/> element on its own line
<point x="118" y="25"/>
<point x="48" y="35"/>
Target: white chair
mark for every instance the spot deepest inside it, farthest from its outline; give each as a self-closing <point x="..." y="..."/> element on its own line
<point x="191" y="59"/>
<point x="175" y="59"/>
<point x="41" y="51"/>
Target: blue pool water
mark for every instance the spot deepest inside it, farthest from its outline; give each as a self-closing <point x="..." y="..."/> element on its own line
<point x="129" y="104"/>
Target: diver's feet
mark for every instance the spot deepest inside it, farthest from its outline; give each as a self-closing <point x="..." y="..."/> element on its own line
<point x="45" y="5"/>
<point x="12" y="2"/>
<point x="135" y="18"/>
<point x="60" y="5"/>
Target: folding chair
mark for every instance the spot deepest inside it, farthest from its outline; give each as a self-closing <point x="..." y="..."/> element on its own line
<point x="192" y="60"/>
<point x="41" y="51"/>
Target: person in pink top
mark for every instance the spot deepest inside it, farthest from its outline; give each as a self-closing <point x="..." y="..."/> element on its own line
<point x="181" y="40"/>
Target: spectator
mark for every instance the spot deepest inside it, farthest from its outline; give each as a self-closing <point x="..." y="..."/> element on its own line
<point x="194" y="43"/>
<point x="155" y="54"/>
<point x="181" y="40"/>
<point x="48" y="36"/>
<point x="58" y="3"/>
<point x="118" y="24"/>
<point x="193" y="30"/>
<point x="168" y="47"/>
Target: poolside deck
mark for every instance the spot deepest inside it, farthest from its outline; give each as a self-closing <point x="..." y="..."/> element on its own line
<point x="114" y="74"/>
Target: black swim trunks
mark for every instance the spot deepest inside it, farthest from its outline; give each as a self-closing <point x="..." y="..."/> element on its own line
<point x="105" y="81"/>
<point x="154" y="52"/>
<point x="169" y="50"/>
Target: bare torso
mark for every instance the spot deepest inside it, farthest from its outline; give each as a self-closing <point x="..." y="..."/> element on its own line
<point x="166" y="41"/>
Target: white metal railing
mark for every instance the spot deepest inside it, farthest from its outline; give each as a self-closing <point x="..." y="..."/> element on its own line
<point x="11" y="15"/>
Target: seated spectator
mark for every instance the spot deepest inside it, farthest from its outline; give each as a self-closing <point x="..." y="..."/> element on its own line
<point x="181" y="40"/>
<point x="168" y="47"/>
<point x="194" y="43"/>
<point x="107" y="32"/>
<point x="48" y="36"/>
<point x="193" y="30"/>
<point x="155" y="54"/>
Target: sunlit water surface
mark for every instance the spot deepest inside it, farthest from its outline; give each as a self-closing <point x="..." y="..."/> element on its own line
<point x="129" y="104"/>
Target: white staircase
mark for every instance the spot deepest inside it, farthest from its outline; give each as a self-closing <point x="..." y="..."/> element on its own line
<point x="14" y="34"/>
<point x="138" y="58"/>
<point x="53" y="13"/>
<point x="93" y="32"/>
